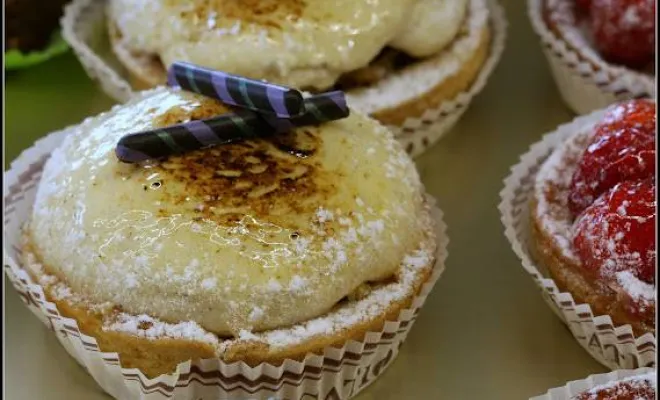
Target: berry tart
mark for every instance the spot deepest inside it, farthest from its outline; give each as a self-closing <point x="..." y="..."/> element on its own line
<point x="641" y="387"/>
<point x="254" y="254"/>
<point x="600" y="51"/>
<point x="637" y="384"/>
<point x="594" y="214"/>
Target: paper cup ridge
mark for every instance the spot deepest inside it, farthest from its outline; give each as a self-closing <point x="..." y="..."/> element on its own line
<point x="616" y="347"/>
<point x="574" y="388"/>
<point x="585" y="84"/>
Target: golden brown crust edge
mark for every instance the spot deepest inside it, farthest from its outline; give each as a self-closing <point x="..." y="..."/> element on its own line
<point x="147" y="72"/>
<point x="566" y="275"/>
<point x="161" y="356"/>
<point x="444" y="91"/>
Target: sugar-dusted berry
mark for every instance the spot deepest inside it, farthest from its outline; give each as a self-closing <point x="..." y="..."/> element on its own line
<point x="622" y="148"/>
<point x="617" y="232"/>
<point x="583" y="5"/>
<point x="624" y="30"/>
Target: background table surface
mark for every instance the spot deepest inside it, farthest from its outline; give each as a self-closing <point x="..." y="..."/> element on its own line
<point x="485" y="332"/>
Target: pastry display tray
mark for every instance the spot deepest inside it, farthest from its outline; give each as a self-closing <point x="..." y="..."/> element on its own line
<point x="484" y="333"/>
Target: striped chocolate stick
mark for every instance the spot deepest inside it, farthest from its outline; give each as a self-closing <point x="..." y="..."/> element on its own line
<point x="226" y="128"/>
<point x="266" y="98"/>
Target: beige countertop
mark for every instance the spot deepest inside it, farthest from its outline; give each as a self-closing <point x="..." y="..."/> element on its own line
<point x="485" y="332"/>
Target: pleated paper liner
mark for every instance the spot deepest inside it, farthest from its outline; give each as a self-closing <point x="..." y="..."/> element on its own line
<point x="616" y="347"/>
<point x="574" y="388"/>
<point x="585" y="81"/>
<point x="84" y="27"/>
<point x="339" y="373"/>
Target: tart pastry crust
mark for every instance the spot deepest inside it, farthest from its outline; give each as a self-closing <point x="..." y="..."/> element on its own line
<point x="551" y="244"/>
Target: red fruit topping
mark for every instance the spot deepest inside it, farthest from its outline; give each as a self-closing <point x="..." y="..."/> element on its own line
<point x="622" y="148"/>
<point x="624" y="30"/>
<point x="583" y="5"/>
<point x="617" y="232"/>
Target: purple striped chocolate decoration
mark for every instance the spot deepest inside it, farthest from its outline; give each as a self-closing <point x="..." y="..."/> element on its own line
<point x="226" y="128"/>
<point x="259" y="96"/>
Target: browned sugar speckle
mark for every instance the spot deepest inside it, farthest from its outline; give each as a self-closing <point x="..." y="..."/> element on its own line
<point x="221" y="178"/>
<point x="201" y="110"/>
<point x="265" y="178"/>
<point x="268" y="13"/>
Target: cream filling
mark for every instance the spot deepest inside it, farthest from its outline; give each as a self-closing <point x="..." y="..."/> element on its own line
<point x="166" y="250"/>
<point x="308" y="46"/>
<point x="441" y="17"/>
<point x="395" y="89"/>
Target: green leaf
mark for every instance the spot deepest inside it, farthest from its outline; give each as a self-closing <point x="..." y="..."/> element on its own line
<point x="15" y="59"/>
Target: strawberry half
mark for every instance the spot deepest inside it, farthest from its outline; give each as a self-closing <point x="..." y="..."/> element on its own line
<point x="624" y="30"/>
<point x="617" y="232"/>
<point x="623" y="148"/>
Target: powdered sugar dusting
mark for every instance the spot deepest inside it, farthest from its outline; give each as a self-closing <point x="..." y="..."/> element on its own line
<point x="631" y="17"/>
<point x="273" y="286"/>
<point x="150" y="328"/>
<point x="552" y="189"/>
<point x="351" y="314"/>
<point x="209" y="283"/>
<point x="344" y="316"/>
<point x="256" y="314"/>
<point x="61" y="292"/>
<point x="637" y="289"/>
<point x="640" y="387"/>
<point x="324" y="215"/>
<point x="297" y="284"/>
<point x="247" y="335"/>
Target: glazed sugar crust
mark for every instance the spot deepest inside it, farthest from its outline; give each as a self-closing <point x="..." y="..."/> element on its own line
<point x="399" y="95"/>
<point x="552" y="235"/>
<point x="245" y="236"/>
<point x="123" y="248"/>
<point x="291" y="42"/>
<point x="156" y="348"/>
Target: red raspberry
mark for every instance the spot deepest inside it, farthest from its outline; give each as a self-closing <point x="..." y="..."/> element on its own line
<point x="617" y="232"/>
<point x="583" y="5"/>
<point x="624" y="30"/>
<point x="622" y="148"/>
